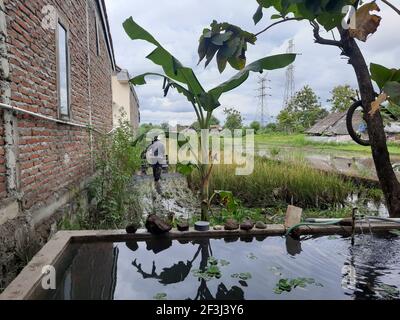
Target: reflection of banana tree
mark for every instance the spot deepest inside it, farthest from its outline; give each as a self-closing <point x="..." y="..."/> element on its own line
<point x="185" y="82"/>
<point x="179" y="272"/>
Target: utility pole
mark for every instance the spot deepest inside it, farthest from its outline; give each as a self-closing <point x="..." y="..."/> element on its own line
<point x="262" y="94"/>
<point x="290" y="83"/>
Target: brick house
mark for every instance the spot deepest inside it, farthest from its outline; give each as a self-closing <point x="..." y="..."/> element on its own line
<point x="56" y="65"/>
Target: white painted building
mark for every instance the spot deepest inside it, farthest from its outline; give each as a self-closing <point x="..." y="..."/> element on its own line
<point x="125" y="101"/>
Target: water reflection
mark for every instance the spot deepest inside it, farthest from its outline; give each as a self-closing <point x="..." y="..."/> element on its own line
<point x="178" y="272"/>
<point x="367" y="264"/>
<point x="92" y="274"/>
<point x="293" y="246"/>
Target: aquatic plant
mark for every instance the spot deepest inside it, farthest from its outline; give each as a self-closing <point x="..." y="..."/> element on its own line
<point x="242" y="276"/>
<point x="212" y="270"/>
<point x="287" y="285"/>
<point x="160" y="296"/>
<point x="395" y="232"/>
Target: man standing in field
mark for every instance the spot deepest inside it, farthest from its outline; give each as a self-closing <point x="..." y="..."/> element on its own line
<point x="157" y="158"/>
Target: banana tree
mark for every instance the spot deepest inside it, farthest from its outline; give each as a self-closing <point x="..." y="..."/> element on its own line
<point x="183" y="79"/>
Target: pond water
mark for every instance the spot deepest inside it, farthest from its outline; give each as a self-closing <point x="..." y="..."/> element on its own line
<point x="248" y="268"/>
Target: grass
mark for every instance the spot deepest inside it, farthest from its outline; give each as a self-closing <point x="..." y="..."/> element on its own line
<point x="299" y="140"/>
<point x="276" y="183"/>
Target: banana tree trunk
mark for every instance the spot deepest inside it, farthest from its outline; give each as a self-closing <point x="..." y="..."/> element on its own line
<point x="387" y="177"/>
<point x="204" y="192"/>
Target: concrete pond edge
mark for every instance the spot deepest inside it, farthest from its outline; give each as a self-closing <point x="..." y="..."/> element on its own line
<point x="24" y="285"/>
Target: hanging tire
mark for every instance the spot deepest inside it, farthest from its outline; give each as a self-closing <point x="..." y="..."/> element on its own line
<point x="349" y="123"/>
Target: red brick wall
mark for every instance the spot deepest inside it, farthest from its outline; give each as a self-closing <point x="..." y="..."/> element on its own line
<point x="53" y="157"/>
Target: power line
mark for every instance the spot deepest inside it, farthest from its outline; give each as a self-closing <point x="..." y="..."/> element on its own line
<point x="262" y="90"/>
<point x="290" y="83"/>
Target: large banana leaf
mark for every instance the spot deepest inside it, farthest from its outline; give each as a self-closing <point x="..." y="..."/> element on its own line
<point x="141" y="79"/>
<point x="172" y="67"/>
<point x="177" y="75"/>
<point x="267" y="63"/>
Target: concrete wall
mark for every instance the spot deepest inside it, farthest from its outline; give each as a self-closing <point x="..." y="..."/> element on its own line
<point x="125" y="104"/>
<point x="329" y="139"/>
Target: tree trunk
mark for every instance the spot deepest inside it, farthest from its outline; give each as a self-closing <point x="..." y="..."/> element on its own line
<point x="387" y="177"/>
<point x="204" y="192"/>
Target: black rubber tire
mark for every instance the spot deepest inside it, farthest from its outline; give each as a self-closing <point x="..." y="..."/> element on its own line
<point x="349" y="124"/>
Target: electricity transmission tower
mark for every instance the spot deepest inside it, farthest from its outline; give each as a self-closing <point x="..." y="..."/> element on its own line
<point x="290" y="84"/>
<point x="262" y="95"/>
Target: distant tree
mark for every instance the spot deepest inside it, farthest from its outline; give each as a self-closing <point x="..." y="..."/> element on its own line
<point x="165" y="126"/>
<point x="213" y="121"/>
<point x="256" y="126"/>
<point x="341" y="98"/>
<point x="234" y="119"/>
<point x="302" y="112"/>
<point x="271" y="127"/>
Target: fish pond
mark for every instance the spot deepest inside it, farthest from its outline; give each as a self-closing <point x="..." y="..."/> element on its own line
<point x="327" y="267"/>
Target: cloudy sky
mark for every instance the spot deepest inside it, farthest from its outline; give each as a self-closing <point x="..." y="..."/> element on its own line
<point x="177" y="25"/>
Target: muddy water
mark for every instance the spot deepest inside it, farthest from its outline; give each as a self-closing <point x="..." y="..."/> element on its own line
<point x="324" y="268"/>
<point x="348" y="163"/>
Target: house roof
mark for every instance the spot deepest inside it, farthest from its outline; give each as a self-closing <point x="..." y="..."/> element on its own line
<point x="107" y="33"/>
<point x="334" y="124"/>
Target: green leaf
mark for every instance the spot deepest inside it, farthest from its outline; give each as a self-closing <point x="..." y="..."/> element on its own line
<point x="221" y="61"/>
<point x="202" y="50"/>
<point x="160" y="296"/>
<point x="185" y="169"/>
<point x="392" y="89"/>
<point x="395" y="232"/>
<point x="172" y="67"/>
<point x="136" y="32"/>
<point x="276" y="16"/>
<point x="380" y="74"/>
<point x="258" y="15"/>
<point x="220" y="38"/>
<point x="141" y="80"/>
<point x="267" y="63"/>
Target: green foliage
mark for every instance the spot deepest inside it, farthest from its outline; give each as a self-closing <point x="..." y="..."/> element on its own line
<point x="341" y="98"/>
<point x="395" y="232"/>
<point x="388" y="81"/>
<point x="256" y="126"/>
<point x="183" y="78"/>
<point x="213" y="122"/>
<point x="116" y="162"/>
<point x="275" y="183"/>
<point x="302" y="112"/>
<point x="234" y="119"/>
<point x="212" y="270"/>
<point x="274" y="151"/>
<point x="327" y="12"/>
<point x="185" y="81"/>
<point x="287" y="285"/>
<point x="242" y="276"/>
<point x="228" y="42"/>
<point x="160" y="296"/>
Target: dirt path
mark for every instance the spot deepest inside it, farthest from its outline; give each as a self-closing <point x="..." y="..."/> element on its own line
<point x="174" y="195"/>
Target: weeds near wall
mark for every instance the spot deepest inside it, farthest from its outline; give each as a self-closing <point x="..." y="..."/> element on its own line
<point x="112" y="203"/>
<point x="116" y="162"/>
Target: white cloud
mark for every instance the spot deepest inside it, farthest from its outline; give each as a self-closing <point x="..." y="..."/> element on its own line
<point x="177" y="24"/>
